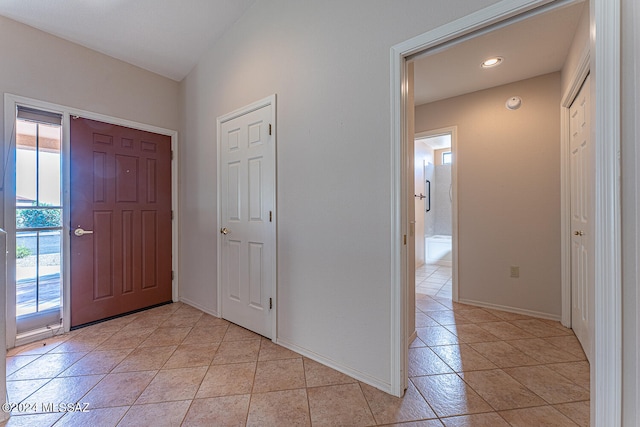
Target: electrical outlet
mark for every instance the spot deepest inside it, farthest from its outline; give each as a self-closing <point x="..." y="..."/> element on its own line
<point x="515" y="271"/>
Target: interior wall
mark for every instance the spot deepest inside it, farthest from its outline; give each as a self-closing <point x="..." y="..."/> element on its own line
<point x="328" y="63"/>
<point x="38" y="65"/>
<point x="44" y="67"/>
<point x="508" y="193"/>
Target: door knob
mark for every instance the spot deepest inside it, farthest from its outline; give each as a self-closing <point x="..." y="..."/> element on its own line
<point x="80" y="232"/>
<point x="578" y="233"/>
<point x="224" y="230"/>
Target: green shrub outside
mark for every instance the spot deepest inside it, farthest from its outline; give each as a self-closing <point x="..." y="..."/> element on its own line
<point x="38" y="218"/>
<point x="22" y="252"/>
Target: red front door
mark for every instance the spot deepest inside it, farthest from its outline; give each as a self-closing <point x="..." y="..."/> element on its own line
<point x="120" y="220"/>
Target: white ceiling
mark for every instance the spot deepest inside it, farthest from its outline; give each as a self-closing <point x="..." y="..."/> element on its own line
<point x="166" y="37"/>
<point x="532" y="47"/>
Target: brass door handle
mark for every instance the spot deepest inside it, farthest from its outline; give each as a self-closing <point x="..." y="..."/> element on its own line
<point x="224" y="230"/>
<point x="578" y="233"/>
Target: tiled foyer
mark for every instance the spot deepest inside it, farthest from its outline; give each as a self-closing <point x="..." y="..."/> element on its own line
<point x="176" y="366"/>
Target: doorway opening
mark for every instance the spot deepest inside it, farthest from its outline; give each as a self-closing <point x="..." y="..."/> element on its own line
<point x="605" y="397"/>
<point x="434" y="212"/>
<point x="37" y="213"/>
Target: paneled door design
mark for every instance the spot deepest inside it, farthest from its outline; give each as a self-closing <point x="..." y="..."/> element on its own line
<point x="247" y="203"/>
<point x="581" y="201"/>
<point x="120" y="220"/>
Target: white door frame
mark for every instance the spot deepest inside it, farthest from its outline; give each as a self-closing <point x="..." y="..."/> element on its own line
<point x="270" y="100"/>
<point x="453" y="131"/>
<point x="10" y="103"/>
<point x="605" y="65"/>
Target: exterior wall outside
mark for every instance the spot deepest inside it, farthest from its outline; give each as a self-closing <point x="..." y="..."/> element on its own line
<point x="508" y="192"/>
<point x="328" y="63"/>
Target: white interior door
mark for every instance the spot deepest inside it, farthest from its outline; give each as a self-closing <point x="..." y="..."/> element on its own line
<point x="581" y="200"/>
<point x="247" y="209"/>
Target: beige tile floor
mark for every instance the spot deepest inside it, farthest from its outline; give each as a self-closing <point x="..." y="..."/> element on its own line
<point x="174" y="365"/>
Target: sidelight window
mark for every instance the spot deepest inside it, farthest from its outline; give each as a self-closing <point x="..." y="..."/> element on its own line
<point x="38" y="218"/>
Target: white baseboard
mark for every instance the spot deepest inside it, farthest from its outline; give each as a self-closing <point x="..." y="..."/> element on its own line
<point x="199" y="307"/>
<point x="516" y="310"/>
<point x="360" y="376"/>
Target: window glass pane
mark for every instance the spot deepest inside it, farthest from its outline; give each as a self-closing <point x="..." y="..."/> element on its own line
<point x="26" y="272"/>
<point x="37" y="275"/>
<point x="38" y="208"/>
<point x="49" y="165"/>
<point x="49" y="270"/>
<point x="446" y="158"/>
<point x="26" y="163"/>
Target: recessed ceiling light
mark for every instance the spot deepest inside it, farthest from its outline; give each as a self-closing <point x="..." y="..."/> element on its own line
<point x="492" y="62"/>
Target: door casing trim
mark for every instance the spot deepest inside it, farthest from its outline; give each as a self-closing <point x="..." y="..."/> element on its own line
<point x="10" y="103"/>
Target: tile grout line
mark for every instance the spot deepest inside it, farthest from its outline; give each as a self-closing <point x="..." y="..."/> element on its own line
<point x="253" y="383"/>
<point x="306" y="391"/>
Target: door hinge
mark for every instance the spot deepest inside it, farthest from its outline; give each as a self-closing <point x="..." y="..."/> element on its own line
<point x="270" y="303"/>
<point x="172" y="215"/>
<point x="172" y="275"/>
<point x="270" y="216"/>
<point x="269" y="128"/>
<point x="171" y="154"/>
<point x="405" y="239"/>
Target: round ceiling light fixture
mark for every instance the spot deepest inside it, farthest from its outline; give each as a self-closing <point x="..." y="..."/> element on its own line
<point x="492" y="62"/>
